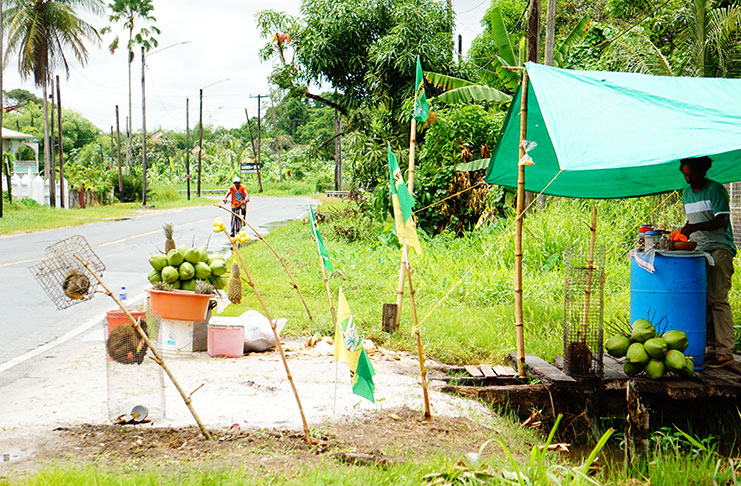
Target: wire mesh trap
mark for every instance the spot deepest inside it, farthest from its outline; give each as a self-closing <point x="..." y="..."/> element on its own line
<point x="583" y="314"/>
<point x="63" y="277"/>
<point x="133" y="379"/>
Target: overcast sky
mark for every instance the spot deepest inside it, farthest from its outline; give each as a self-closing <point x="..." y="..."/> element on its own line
<point x="210" y="44"/>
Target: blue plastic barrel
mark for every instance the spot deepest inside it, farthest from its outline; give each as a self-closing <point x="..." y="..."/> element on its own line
<point x="673" y="297"/>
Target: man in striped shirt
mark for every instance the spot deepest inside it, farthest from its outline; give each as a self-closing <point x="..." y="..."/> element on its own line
<point x="708" y="223"/>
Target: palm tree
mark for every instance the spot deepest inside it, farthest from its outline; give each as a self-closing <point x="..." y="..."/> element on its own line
<point x="40" y="31"/>
<point x="130" y="13"/>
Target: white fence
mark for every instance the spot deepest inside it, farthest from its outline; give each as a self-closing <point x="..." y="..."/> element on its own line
<point x="35" y="187"/>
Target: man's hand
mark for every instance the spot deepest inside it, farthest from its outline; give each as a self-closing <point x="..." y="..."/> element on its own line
<point x="688" y="229"/>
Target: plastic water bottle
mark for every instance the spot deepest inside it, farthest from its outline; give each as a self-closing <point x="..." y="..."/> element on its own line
<point x="122" y="294"/>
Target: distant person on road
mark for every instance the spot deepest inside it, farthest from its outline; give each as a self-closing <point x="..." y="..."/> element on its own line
<point x="240" y="197"/>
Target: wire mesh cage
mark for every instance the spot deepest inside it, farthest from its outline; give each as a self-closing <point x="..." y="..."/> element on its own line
<point x="583" y="314"/>
<point x="136" y="383"/>
<point x="63" y="277"/>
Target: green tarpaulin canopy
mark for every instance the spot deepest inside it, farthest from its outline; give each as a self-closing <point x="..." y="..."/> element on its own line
<point x="607" y="135"/>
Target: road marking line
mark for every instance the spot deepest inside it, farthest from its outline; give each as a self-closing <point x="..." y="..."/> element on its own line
<point x="60" y="340"/>
<point x="150" y="233"/>
<point x="17" y="263"/>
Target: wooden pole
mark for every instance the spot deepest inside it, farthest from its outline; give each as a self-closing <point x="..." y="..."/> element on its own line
<point x="278" y="344"/>
<point x="252" y="140"/>
<point x="404" y="258"/>
<point x="157" y="358"/>
<point x="590" y="268"/>
<point x="61" y="145"/>
<point x="337" y="152"/>
<point x="51" y="139"/>
<point x="200" y="140"/>
<point x="326" y="283"/>
<point x="277" y="144"/>
<point x="280" y="259"/>
<point x="259" y="144"/>
<point x="187" y="147"/>
<point x="423" y="372"/>
<point x="118" y="152"/>
<point x="519" y="327"/>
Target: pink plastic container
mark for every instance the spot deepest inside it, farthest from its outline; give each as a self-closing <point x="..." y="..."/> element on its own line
<point x="225" y="340"/>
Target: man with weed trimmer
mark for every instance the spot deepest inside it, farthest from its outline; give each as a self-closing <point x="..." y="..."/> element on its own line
<point x="240" y="197"/>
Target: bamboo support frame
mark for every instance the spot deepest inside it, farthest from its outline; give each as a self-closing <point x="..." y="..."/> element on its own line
<point x="590" y="268"/>
<point x="423" y="371"/>
<point x="519" y="326"/>
<point x="157" y="358"/>
<point x="280" y="259"/>
<point x="278" y="344"/>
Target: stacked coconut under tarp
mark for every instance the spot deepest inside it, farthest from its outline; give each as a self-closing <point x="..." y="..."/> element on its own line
<point x="649" y="352"/>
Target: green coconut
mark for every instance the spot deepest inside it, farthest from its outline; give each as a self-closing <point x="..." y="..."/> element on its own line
<point x="218" y="267"/>
<point x="632" y="369"/>
<point x="154" y="276"/>
<point x="183" y="248"/>
<point x="689" y="367"/>
<point x="170" y="274"/>
<point x="655" y="369"/>
<point x="176" y="284"/>
<point x="617" y="346"/>
<point x="188" y="284"/>
<point x="158" y="261"/>
<point x="202" y="270"/>
<point x="655" y="347"/>
<point x="174" y="258"/>
<point x="676" y="340"/>
<point x="642" y="331"/>
<point x="675" y="360"/>
<point x="204" y="254"/>
<point x="186" y="271"/>
<point x="637" y="354"/>
<point x="192" y="256"/>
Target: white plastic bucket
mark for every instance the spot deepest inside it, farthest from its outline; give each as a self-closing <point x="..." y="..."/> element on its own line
<point x="176" y="337"/>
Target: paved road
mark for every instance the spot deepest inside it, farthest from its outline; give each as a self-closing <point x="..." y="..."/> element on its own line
<point x="28" y="318"/>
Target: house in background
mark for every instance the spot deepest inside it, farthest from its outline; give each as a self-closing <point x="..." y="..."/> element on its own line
<point x="24" y="148"/>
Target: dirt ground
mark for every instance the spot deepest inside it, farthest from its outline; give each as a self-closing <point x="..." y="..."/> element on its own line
<point x="62" y="407"/>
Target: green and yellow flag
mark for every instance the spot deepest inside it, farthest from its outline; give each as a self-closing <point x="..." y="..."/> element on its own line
<point x="347" y="348"/>
<point x="319" y="243"/>
<point x="421" y="110"/>
<point x="406" y="229"/>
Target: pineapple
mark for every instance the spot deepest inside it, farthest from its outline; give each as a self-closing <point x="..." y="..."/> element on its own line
<point x="234" y="290"/>
<point x="169" y="242"/>
<point x="203" y="287"/>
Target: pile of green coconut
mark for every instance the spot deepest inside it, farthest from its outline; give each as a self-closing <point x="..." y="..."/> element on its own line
<point x="646" y="351"/>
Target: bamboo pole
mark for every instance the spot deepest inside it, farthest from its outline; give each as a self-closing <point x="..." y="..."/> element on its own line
<point x="590" y="268"/>
<point x="157" y="358"/>
<point x="280" y="259"/>
<point x="519" y="327"/>
<point x="404" y="258"/>
<point x="422" y="370"/>
<point x="326" y="283"/>
<point x="278" y="344"/>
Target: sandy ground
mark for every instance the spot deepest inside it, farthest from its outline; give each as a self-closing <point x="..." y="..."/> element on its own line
<point x="76" y="384"/>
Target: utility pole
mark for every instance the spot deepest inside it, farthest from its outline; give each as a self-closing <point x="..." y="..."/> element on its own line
<point x="550" y="40"/>
<point x="533" y="38"/>
<point x="51" y="142"/>
<point x="460" y="48"/>
<point x="118" y="151"/>
<point x="61" y="146"/>
<point x="144" y="135"/>
<point x="200" y="139"/>
<point x="259" y="140"/>
<point x="277" y="144"/>
<point x="337" y="152"/>
<point x="187" y="146"/>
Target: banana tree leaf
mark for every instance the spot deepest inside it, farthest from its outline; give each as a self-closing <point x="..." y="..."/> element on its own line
<point x="501" y="37"/>
<point x="574" y="37"/>
<point x="444" y="82"/>
<point x="475" y="92"/>
<point x="472" y="166"/>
